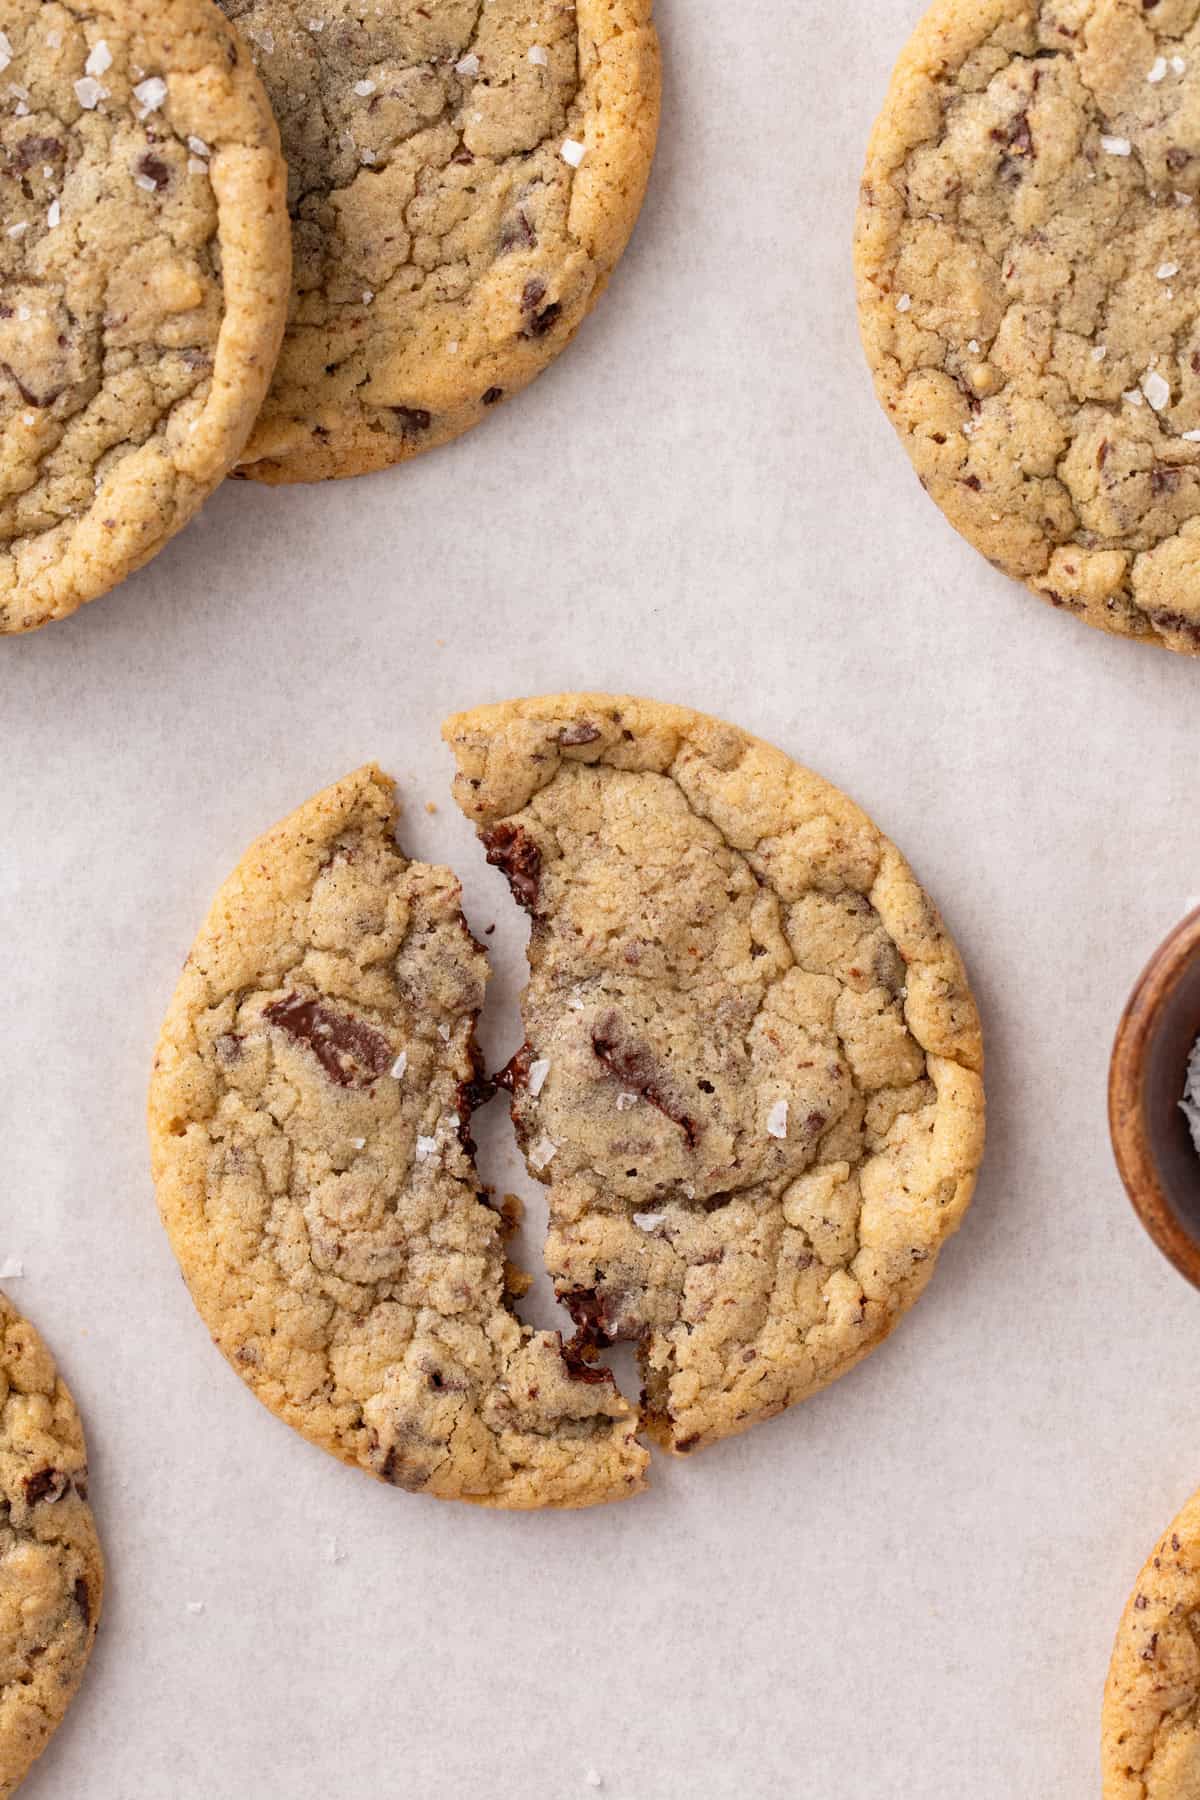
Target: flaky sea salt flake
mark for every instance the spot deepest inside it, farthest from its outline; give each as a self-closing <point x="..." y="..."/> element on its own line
<point x="54" y="214"/>
<point x="99" y="60"/>
<point x="1099" y="353"/>
<point x="6" y="50"/>
<point x="904" y="303"/>
<point x="11" y="1269"/>
<point x="538" y="1072"/>
<point x="542" y="1154"/>
<point x="539" y="56"/>
<point x="777" y="1120"/>
<point x="426" y="1147"/>
<point x="648" y="1221"/>
<point x="626" y="1102"/>
<point x="1156" y="389"/>
<point x="363" y="88"/>
<point x="1116" y="146"/>
<point x="467" y="65"/>
<point x="573" y="152"/>
<point x="1133" y="396"/>
<point x="150" y="94"/>
<point x="399" y="1066"/>
<point x="89" y="92"/>
<point x="198" y="147"/>
<point x="1159" y="71"/>
<point x="1166" y="270"/>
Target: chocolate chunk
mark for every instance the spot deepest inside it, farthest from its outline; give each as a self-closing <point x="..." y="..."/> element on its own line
<point x="635" y="1068"/>
<point x="492" y="395"/>
<point x="83" y="1601"/>
<point x="33" y="150"/>
<point x="517" y="231"/>
<point x="579" y="1368"/>
<point x="154" y="169"/>
<point x="27" y="395"/>
<point x="600" y="1320"/>
<point x="46" y="1484"/>
<point x="351" y="1053"/>
<point x="511" y="849"/>
<point x="1163" y="480"/>
<point x="543" y="322"/>
<point x="412" y="420"/>
<point x="571" y="736"/>
<point x="515" y="1073"/>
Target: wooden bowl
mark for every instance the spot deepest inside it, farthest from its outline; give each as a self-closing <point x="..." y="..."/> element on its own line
<point x="1159" y="1163"/>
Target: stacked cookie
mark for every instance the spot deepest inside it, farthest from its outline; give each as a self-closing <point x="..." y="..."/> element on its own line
<point x="461" y="185"/>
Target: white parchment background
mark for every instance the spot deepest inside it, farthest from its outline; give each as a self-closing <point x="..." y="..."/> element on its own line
<point x="906" y="1588"/>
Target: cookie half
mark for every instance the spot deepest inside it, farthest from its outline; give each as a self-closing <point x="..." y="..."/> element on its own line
<point x="310" y="1116"/>
<point x="144" y="273"/>
<point x="1151" y="1735"/>
<point x="463" y="181"/>
<point x="752" y="1069"/>
<point x="1029" y="264"/>
<point x="51" y="1570"/>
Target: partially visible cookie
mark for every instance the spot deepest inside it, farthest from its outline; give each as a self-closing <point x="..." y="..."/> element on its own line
<point x="752" y="1069"/>
<point x="310" y="1116"/>
<point x="1029" y="264"/>
<point x="51" y="1570"/>
<point x="144" y="271"/>
<point x="1151" y="1724"/>
<point x="464" y="178"/>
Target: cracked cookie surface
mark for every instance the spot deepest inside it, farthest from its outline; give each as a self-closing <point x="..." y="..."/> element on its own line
<point x="752" y="1069"/>
<point x="464" y="178"/>
<point x="310" y="1129"/>
<point x="144" y="264"/>
<point x="1028" y="259"/>
<point x="51" y="1571"/>
<point x="1151" y="1725"/>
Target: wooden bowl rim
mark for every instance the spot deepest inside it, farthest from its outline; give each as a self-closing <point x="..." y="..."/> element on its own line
<point x="1135" y="1156"/>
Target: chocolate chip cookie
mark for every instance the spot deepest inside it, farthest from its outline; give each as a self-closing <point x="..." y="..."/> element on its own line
<point x="752" y="1068"/>
<point x="1152" y="1700"/>
<point x="1029" y="263"/>
<point x="51" y="1571"/>
<point x="464" y="178"/>
<point x="310" y="1116"/>
<point x="144" y="272"/>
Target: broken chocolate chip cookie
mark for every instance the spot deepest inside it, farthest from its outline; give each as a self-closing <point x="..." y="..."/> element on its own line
<point x="752" y="1069"/>
<point x="310" y="1115"/>
<point x="464" y="179"/>
<point x="1028" y="265"/>
<point x="144" y="265"/>
<point x="51" y="1570"/>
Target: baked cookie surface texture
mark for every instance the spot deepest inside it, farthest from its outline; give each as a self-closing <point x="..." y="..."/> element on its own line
<point x="144" y="273"/>
<point x="1029" y="268"/>
<point x="51" y="1570"/>
<point x="1151" y="1742"/>
<point x="464" y="178"/>
<point x="752" y="1068"/>
<point x="309" y="1118"/>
